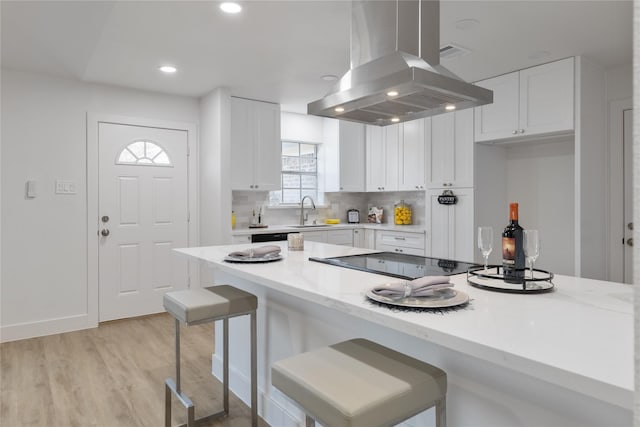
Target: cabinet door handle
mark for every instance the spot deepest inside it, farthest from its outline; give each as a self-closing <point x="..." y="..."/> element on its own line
<point x="514" y="132"/>
<point x="256" y="186"/>
<point x="251" y="186"/>
<point x="399" y="238"/>
<point x="521" y="130"/>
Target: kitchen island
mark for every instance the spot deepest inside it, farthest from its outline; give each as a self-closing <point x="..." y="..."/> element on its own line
<point x="559" y="359"/>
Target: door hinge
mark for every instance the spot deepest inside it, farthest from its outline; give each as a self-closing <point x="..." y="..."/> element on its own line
<point x="188" y="216"/>
<point x="189" y="282"/>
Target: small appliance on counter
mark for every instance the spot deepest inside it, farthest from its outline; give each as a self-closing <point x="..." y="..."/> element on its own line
<point x="256" y="221"/>
<point x="353" y="216"/>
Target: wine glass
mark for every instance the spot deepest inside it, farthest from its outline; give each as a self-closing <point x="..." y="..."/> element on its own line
<point x="531" y="247"/>
<point x="485" y="243"/>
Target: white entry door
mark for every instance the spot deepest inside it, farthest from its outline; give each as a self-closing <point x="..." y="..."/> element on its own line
<point x="627" y="141"/>
<point x="143" y="206"/>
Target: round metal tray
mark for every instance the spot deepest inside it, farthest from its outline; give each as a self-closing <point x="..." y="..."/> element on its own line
<point x="493" y="280"/>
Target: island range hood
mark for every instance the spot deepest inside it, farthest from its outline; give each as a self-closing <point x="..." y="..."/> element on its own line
<point x="395" y="73"/>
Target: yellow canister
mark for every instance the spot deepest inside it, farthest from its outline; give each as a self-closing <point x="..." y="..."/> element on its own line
<point x="233" y="219"/>
<point x="402" y="213"/>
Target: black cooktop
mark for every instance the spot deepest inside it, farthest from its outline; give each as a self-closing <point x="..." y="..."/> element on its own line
<point x="398" y="265"/>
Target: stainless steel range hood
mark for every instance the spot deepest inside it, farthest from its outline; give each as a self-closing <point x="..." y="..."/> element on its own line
<point x="395" y="73"/>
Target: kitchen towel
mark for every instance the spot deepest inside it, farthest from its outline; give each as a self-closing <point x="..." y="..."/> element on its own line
<point x="261" y="251"/>
<point x="421" y="287"/>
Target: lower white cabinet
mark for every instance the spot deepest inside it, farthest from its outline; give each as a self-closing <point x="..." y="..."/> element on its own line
<point x="315" y="236"/>
<point x="335" y="237"/>
<point x="451" y="227"/>
<point x="359" y="238"/>
<point x="406" y="242"/>
<point x="340" y="237"/>
<point x="241" y="239"/>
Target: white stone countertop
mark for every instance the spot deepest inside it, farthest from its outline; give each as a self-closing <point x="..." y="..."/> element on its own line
<point x="322" y="227"/>
<point x="579" y="337"/>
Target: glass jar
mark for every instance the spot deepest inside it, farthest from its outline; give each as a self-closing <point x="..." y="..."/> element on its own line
<point x="402" y="213"/>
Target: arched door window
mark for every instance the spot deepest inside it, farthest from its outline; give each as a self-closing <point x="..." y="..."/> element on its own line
<point x="143" y="153"/>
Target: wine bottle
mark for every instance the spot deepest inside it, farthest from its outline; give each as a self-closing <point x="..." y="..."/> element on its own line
<point x="512" y="248"/>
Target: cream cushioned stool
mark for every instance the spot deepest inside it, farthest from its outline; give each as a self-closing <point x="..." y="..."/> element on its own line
<point x="196" y="306"/>
<point x="359" y="383"/>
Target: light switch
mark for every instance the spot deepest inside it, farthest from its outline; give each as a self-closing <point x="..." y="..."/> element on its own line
<point x="32" y="189"/>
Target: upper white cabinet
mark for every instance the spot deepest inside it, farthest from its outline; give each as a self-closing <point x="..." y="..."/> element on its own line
<point x="382" y="157"/>
<point x="344" y="147"/>
<point x="449" y="150"/>
<point x="413" y="138"/>
<point x="396" y="156"/>
<point x="531" y="102"/>
<point x="255" y="145"/>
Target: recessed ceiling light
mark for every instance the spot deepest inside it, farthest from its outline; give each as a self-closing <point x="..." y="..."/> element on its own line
<point x="450" y="107"/>
<point x="466" y="24"/>
<point x="392" y="93"/>
<point x="339" y="109"/>
<point x="395" y="119"/>
<point x="168" y="69"/>
<point x="230" y="7"/>
<point x="329" y="77"/>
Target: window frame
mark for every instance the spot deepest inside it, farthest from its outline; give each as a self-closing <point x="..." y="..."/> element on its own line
<point x="299" y="173"/>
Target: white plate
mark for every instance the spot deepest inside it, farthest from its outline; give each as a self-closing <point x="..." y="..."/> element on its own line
<point x="254" y="260"/>
<point x="440" y="299"/>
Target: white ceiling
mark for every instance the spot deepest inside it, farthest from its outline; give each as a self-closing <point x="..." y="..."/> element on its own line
<point x="277" y="50"/>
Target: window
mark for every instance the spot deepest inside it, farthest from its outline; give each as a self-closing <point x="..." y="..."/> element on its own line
<point x="299" y="173"/>
<point x="143" y="153"/>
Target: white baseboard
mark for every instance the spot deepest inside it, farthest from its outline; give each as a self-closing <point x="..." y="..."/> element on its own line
<point x="40" y="328"/>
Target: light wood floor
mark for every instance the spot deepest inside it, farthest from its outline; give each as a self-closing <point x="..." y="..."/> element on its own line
<point x="110" y="376"/>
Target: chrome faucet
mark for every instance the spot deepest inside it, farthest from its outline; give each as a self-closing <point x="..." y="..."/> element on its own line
<point x="302" y="218"/>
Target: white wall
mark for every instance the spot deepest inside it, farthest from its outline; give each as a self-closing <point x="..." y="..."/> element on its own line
<point x="540" y="177"/>
<point x="44" y="240"/>
<point x="619" y="82"/>
<point x="301" y="127"/>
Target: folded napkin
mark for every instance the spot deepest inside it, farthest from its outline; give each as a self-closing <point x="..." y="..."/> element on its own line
<point x="421" y="287"/>
<point x="257" y="252"/>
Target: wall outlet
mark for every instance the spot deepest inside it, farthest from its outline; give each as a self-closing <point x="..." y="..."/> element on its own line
<point x="65" y="187"/>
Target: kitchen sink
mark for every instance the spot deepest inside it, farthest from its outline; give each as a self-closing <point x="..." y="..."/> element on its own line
<point x="310" y="225"/>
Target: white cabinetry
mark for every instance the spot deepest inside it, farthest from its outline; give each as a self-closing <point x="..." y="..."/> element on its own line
<point x="531" y="102"/>
<point x="335" y="237"/>
<point x="241" y="239"/>
<point x="382" y="157"/>
<point x="400" y="241"/>
<point x="344" y="145"/>
<point x="359" y="238"/>
<point x="450" y="150"/>
<point x="315" y="236"/>
<point x="255" y="145"/>
<point x="395" y="156"/>
<point x="340" y="237"/>
<point x="452" y="226"/>
<point x="413" y="137"/>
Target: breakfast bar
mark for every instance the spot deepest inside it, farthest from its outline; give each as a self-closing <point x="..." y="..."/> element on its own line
<point x="563" y="358"/>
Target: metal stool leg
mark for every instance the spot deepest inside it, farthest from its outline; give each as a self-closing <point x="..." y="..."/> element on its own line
<point x="309" y="422"/>
<point x="225" y="364"/>
<point x="254" y="371"/>
<point x="441" y="413"/>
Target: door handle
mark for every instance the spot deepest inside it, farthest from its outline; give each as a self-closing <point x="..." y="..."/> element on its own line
<point x="630" y="241"/>
<point x="104" y="232"/>
<point x="630" y="226"/>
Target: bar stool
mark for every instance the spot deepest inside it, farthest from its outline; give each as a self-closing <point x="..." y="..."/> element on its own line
<point x="359" y="383"/>
<point x="197" y="306"/>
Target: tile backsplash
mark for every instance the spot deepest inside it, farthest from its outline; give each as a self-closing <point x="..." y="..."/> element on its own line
<point x="335" y="205"/>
